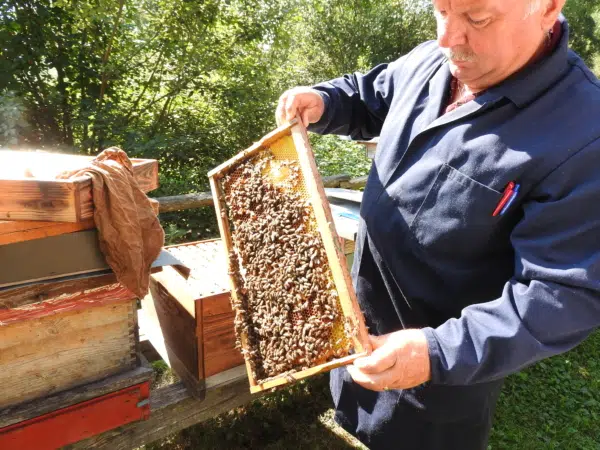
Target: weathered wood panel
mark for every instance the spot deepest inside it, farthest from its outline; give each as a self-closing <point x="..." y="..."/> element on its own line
<point x="218" y="335"/>
<point x="50" y="348"/>
<point x="28" y="190"/>
<point x="25" y="411"/>
<point x="173" y="329"/>
<point x="173" y="409"/>
<point x="13" y="231"/>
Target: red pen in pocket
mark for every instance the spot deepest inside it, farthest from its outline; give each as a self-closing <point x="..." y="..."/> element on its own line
<point x="508" y="191"/>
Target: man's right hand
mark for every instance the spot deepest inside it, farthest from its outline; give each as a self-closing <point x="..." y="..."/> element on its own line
<point x="303" y="102"/>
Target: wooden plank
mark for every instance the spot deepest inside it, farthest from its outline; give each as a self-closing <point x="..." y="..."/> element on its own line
<point x="13" y="231"/>
<point x="348" y="246"/>
<point x="355" y="183"/>
<point x="218" y="336"/>
<point x="38" y="407"/>
<point x="333" y="249"/>
<point x="153" y="332"/>
<point x="38" y="230"/>
<point x="52" y="353"/>
<point x="171" y="323"/>
<point x="29" y="190"/>
<point x="145" y="172"/>
<point x="334" y="181"/>
<point x="173" y="409"/>
<point x="80" y="421"/>
<point x="34" y="293"/>
<point x="185" y="201"/>
<point x="224" y="229"/>
<point x="90" y="298"/>
<point x="39" y="200"/>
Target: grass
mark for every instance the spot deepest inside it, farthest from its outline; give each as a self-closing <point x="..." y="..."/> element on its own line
<point x="552" y="405"/>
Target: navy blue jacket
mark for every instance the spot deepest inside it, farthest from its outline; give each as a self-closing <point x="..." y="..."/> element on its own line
<point x="493" y="294"/>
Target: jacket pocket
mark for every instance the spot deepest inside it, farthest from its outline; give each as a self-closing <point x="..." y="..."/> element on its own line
<point x="455" y="218"/>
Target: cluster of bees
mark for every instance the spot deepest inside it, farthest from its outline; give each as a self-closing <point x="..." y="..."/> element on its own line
<point x="287" y="306"/>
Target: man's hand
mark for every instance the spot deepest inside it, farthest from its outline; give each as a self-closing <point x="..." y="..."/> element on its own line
<point x="399" y="360"/>
<point x="303" y="102"/>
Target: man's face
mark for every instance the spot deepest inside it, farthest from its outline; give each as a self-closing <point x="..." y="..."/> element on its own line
<point x="487" y="40"/>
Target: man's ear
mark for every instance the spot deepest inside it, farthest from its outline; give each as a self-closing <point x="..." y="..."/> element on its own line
<point x="551" y="12"/>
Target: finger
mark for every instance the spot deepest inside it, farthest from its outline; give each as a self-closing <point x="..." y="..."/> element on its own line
<point x="279" y="112"/>
<point x="377" y="341"/>
<point x="290" y="107"/>
<point x="381" y="359"/>
<point x="305" y="120"/>
<point x="372" y="381"/>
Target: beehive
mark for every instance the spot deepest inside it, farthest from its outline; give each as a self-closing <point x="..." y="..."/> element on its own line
<point x="296" y="312"/>
<point x="190" y="321"/>
<point x="85" y="334"/>
<point x="30" y="191"/>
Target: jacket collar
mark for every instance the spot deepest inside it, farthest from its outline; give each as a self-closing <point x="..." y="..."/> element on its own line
<point x="522" y="87"/>
<point x="532" y="81"/>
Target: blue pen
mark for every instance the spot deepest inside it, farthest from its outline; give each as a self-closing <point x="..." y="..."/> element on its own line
<point x="511" y="200"/>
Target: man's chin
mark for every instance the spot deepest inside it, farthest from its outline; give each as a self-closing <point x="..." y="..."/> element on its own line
<point x="463" y="71"/>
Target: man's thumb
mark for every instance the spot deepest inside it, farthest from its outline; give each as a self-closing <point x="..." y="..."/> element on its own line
<point x="380" y="360"/>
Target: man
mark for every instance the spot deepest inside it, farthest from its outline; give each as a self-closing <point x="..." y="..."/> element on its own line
<point x="478" y="251"/>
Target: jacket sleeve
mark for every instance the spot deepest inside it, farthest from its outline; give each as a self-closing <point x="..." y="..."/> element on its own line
<point x="357" y="105"/>
<point x="552" y="303"/>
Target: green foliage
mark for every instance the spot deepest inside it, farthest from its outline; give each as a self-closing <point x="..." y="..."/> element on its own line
<point x="335" y="156"/>
<point x="552" y="405"/>
<point x="584" y="19"/>
<point x="12" y="119"/>
<point x="192" y="83"/>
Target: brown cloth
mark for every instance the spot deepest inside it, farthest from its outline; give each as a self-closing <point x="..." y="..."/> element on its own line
<point x="130" y="234"/>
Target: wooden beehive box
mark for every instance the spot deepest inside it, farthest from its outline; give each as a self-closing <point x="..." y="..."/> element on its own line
<point x="79" y="333"/>
<point x="29" y="190"/>
<point x="190" y="322"/>
<point x="296" y="311"/>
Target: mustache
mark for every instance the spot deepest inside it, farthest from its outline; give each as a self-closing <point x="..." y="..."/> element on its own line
<point x="459" y="55"/>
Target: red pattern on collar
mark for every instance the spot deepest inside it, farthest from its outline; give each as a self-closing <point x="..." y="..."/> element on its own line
<point x="555" y="35"/>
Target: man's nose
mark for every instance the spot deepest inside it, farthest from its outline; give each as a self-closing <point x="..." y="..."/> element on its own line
<point x="451" y="32"/>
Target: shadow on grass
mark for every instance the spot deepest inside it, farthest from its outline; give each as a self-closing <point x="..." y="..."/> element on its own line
<point x="296" y="417"/>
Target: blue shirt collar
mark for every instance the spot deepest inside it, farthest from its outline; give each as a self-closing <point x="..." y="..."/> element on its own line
<point x="533" y="80"/>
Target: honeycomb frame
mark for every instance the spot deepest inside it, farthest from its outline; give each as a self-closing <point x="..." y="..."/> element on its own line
<point x="290" y="143"/>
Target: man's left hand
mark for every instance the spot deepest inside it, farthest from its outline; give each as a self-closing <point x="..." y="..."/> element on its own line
<point x="400" y="360"/>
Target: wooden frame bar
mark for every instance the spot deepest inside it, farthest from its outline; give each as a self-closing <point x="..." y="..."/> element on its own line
<point x="326" y="228"/>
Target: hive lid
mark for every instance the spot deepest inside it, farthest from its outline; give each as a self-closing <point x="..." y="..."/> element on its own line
<point x="207" y="266"/>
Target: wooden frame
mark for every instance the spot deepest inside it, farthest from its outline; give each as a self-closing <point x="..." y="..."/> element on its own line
<point x="48" y="199"/>
<point x="326" y="228"/>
